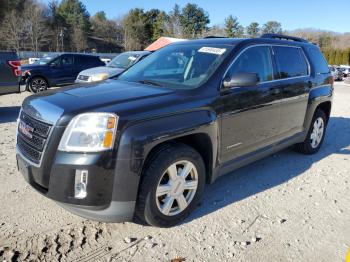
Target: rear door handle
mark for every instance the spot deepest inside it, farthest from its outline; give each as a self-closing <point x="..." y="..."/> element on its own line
<point x="275" y="91"/>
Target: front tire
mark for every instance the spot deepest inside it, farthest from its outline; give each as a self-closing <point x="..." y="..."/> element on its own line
<point x="37" y="84"/>
<point x="172" y="185"/>
<point x="315" y="136"/>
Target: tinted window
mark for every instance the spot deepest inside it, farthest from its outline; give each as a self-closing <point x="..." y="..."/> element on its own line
<point x="318" y="61"/>
<point x="81" y="60"/>
<point x="66" y="60"/>
<point x="87" y="61"/>
<point x="290" y="62"/>
<point x="94" y="61"/>
<point x="254" y="60"/>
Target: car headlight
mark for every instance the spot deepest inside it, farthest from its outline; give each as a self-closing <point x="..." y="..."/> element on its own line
<point x="89" y="132"/>
<point x="98" y="77"/>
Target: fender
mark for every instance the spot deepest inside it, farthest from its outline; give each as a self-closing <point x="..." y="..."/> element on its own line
<point x="317" y="96"/>
<point x="137" y="141"/>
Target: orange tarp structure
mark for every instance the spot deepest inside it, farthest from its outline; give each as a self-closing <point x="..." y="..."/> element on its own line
<point x="161" y="42"/>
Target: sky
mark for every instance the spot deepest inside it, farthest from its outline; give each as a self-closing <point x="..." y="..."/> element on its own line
<point x="292" y="14"/>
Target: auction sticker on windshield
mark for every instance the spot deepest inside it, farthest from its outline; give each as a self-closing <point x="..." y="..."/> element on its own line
<point x="212" y="50"/>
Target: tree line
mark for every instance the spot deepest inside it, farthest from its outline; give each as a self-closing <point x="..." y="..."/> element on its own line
<point x="58" y="26"/>
<point x="67" y="26"/>
<point x="337" y="56"/>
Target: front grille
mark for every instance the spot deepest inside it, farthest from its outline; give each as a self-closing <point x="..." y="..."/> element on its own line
<point x="31" y="141"/>
<point x="84" y="78"/>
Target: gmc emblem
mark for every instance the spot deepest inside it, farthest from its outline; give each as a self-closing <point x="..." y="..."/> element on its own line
<point x="25" y="129"/>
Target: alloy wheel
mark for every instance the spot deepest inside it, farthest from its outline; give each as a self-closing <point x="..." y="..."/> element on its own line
<point x="38" y="85"/>
<point x="317" y="132"/>
<point x="177" y="188"/>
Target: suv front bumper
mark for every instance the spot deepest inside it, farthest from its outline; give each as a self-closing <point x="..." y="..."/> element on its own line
<point x="100" y="204"/>
<point x="117" y="211"/>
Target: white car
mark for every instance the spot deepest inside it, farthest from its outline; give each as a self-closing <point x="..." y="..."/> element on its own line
<point x="115" y="67"/>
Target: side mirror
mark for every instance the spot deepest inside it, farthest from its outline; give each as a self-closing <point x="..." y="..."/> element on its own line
<point x="241" y="80"/>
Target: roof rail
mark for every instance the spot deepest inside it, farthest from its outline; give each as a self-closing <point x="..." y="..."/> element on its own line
<point x="284" y="37"/>
<point x="214" y="36"/>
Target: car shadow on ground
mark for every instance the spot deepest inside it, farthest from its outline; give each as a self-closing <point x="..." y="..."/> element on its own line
<point x="9" y="114"/>
<point x="271" y="171"/>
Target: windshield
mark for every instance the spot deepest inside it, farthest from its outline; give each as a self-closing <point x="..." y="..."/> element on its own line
<point x="178" y="66"/>
<point x="124" y="60"/>
<point x="44" y="60"/>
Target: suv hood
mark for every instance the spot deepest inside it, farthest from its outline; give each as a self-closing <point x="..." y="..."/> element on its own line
<point x="110" y="96"/>
<point x="111" y="71"/>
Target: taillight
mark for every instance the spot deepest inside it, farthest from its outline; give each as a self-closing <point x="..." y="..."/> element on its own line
<point x="16" y="67"/>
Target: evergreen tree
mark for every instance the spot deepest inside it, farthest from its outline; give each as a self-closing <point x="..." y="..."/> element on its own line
<point x="331" y="60"/>
<point x="137" y="29"/>
<point x="232" y="27"/>
<point x="345" y="57"/>
<point x="193" y="20"/>
<point x="77" y="20"/>
<point x="253" y="29"/>
<point x="338" y="57"/>
<point x="159" y="26"/>
<point x="272" y="27"/>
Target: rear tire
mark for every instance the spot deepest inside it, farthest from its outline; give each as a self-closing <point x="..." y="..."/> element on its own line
<point x="37" y="84"/>
<point x="315" y="135"/>
<point x="172" y="185"/>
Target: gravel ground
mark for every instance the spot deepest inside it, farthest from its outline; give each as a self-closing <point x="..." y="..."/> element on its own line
<point x="287" y="207"/>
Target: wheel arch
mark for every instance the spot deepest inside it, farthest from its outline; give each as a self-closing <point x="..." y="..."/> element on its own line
<point x="39" y="75"/>
<point x="201" y="142"/>
<point x="138" y="142"/>
<point x="326" y="108"/>
<point x="319" y="98"/>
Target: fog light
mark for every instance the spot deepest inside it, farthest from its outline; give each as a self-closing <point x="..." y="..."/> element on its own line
<point x="81" y="180"/>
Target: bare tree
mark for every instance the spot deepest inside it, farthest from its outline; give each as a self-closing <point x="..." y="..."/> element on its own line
<point x="79" y="39"/>
<point x="174" y="24"/>
<point x="36" y="27"/>
<point x="12" y="31"/>
<point x="215" y="30"/>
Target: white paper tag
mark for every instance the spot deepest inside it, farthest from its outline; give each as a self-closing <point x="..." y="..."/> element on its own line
<point x="132" y="58"/>
<point x="212" y="50"/>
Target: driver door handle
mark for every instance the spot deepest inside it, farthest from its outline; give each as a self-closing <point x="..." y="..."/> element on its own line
<point x="275" y="91"/>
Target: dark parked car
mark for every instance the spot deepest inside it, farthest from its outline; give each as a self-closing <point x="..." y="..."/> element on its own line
<point x="344" y="70"/>
<point x="336" y="73"/>
<point x="10" y="72"/>
<point x="114" y="68"/>
<point x="58" y="70"/>
<point x="146" y="145"/>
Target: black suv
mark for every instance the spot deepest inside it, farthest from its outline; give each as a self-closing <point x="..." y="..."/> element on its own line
<point x="10" y="72"/>
<point x="56" y="70"/>
<point x="146" y="144"/>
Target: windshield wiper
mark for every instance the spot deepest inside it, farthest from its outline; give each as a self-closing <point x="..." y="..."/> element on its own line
<point x="149" y="82"/>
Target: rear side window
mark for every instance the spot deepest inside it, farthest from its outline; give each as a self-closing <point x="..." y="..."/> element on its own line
<point x="95" y="61"/>
<point x="254" y="60"/>
<point x="86" y="60"/>
<point x="80" y="60"/>
<point x="318" y="61"/>
<point x="290" y="62"/>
